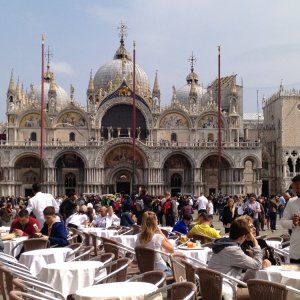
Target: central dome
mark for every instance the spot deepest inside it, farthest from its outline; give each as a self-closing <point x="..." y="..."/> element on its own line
<point x="121" y="67"/>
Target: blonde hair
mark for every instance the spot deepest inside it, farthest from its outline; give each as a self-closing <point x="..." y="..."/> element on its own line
<point x="148" y="228"/>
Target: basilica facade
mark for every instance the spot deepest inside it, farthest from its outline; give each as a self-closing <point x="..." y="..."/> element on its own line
<point x="89" y="149"/>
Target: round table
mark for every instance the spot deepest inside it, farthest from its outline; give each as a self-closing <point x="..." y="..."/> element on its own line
<point x="126" y="240"/>
<point x="203" y="254"/>
<point x="274" y="244"/>
<point x="68" y="277"/>
<point x="279" y="275"/>
<point x="10" y="244"/>
<point x="35" y="260"/>
<point x="117" y="291"/>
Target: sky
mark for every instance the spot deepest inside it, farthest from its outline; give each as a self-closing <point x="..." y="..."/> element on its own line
<point x="259" y="39"/>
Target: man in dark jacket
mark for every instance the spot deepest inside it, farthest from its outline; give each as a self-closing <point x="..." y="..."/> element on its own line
<point x="54" y="229"/>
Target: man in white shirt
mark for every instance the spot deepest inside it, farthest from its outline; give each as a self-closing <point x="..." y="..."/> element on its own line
<point x="291" y="220"/>
<point x="202" y="202"/>
<point x="102" y="220"/>
<point x="39" y="202"/>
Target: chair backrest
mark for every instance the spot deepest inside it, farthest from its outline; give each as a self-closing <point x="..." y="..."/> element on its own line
<point x="6" y="279"/>
<point x="95" y="240"/>
<point x="157" y="278"/>
<point x="25" y="286"/>
<point x="189" y="271"/>
<point x="72" y="239"/>
<point x="117" y="271"/>
<point x="136" y="229"/>
<point x="183" y="291"/>
<point x="266" y="290"/>
<point x="210" y="284"/>
<point x="34" y="244"/>
<point x="202" y="238"/>
<point x="84" y="253"/>
<point x="86" y="238"/>
<point x="111" y="248"/>
<point x="145" y="258"/>
<point x="178" y="267"/>
<point x="18" y="295"/>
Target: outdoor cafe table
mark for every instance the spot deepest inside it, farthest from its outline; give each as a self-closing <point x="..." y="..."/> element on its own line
<point x="68" y="277"/>
<point x="126" y="240"/>
<point x="280" y="274"/>
<point x="117" y="291"/>
<point x="203" y="255"/>
<point x="10" y="244"/>
<point x="35" y="260"/>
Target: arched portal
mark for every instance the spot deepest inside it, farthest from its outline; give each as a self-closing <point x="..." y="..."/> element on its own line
<point x="118" y="168"/>
<point x="27" y="171"/>
<point x="178" y="174"/>
<point x="210" y="175"/>
<point x="70" y="170"/>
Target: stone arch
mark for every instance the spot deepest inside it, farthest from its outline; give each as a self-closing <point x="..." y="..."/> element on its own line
<point x="185" y="155"/>
<point x="31" y="119"/>
<point x="79" y="154"/>
<point x="256" y="161"/>
<point x="209" y="119"/>
<point x="225" y="156"/>
<point x="71" y="118"/>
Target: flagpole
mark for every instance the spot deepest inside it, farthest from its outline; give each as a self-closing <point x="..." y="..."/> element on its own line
<point x="133" y="126"/>
<point x="219" y="121"/>
<point x="42" y="113"/>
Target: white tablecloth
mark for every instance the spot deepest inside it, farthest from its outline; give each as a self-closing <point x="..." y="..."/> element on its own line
<point x="117" y="291"/>
<point x="9" y="245"/>
<point x="276" y="274"/>
<point x="68" y="277"/>
<point x="108" y="233"/>
<point x="274" y="244"/>
<point x="4" y="229"/>
<point x="202" y="255"/>
<point x="35" y="260"/>
<point x="126" y="240"/>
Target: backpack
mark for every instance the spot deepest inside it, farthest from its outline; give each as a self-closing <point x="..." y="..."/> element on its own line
<point x="250" y="212"/>
<point x="166" y="208"/>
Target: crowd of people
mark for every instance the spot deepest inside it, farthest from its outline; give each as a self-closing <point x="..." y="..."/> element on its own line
<point x="237" y="253"/>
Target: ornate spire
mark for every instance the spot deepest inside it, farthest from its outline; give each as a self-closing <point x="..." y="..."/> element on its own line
<point x="52" y="88"/>
<point x="233" y="88"/>
<point x="91" y="82"/>
<point x="122" y="53"/>
<point x="11" y="86"/>
<point x="192" y="76"/>
<point x="156" y="88"/>
<point x="48" y="76"/>
<point x="193" y="92"/>
<point x="18" y="90"/>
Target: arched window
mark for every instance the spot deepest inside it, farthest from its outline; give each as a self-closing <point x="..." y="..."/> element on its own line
<point x="290" y="164"/>
<point x="173" y="137"/>
<point x="298" y="165"/>
<point x="72" y="137"/>
<point x="33" y="136"/>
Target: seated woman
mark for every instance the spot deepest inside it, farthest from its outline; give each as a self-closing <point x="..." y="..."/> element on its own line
<point x="152" y="237"/>
<point x="54" y="229"/>
<point x="79" y="218"/>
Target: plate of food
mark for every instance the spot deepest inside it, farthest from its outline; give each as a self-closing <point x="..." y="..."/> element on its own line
<point x="190" y="246"/>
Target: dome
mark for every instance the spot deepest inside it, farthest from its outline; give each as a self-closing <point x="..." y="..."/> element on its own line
<point x="183" y="93"/>
<point x="62" y="98"/>
<point x="113" y="72"/>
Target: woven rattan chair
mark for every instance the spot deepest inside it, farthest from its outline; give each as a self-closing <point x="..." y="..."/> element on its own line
<point x="177" y="291"/>
<point x="32" y="244"/>
<point x="84" y="253"/>
<point x="178" y="267"/>
<point x="104" y="258"/>
<point x="18" y="295"/>
<point x="26" y="285"/>
<point x="157" y="278"/>
<point x="6" y="285"/>
<point x="266" y="290"/>
<point x="202" y="238"/>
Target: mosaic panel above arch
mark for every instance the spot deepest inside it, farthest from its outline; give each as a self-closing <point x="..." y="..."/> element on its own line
<point x="122" y="155"/>
<point x="209" y="121"/>
<point x="71" y="119"/>
<point x="174" y="120"/>
<point x="32" y="120"/>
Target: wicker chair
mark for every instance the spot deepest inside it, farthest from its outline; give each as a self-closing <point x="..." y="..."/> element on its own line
<point x="36" y="288"/>
<point x="157" y="278"/>
<point x="84" y="253"/>
<point x="202" y="238"/>
<point x="95" y="242"/>
<point x="32" y="244"/>
<point x="266" y="290"/>
<point x="6" y="278"/>
<point x="18" y="295"/>
<point x="178" y="291"/>
<point x="178" y="267"/>
<point x="105" y="258"/>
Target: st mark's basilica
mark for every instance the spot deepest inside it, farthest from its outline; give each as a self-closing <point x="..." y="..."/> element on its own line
<point x="89" y="149"/>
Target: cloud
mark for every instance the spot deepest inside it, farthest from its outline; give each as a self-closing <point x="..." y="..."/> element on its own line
<point x="62" y="67"/>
